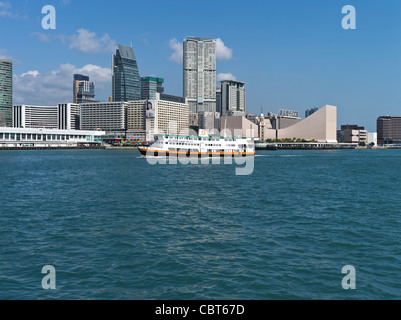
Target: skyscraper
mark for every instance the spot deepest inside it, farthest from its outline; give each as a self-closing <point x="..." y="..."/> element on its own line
<point x="84" y="90"/>
<point x="6" y="93"/>
<point x="233" y="97"/>
<point x="200" y="74"/>
<point x="126" y="78"/>
<point x="151" y="86"/>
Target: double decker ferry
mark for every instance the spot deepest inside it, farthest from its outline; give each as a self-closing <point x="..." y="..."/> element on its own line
<point x="171" y="145"/>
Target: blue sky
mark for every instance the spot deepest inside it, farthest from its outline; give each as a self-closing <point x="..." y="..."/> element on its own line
<point x="292" y="54"/>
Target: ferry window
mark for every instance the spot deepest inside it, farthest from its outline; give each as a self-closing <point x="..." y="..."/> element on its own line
<point x="1" y="136"/>
<point x="28" y="137"/>
<point x="7" y="136"/>
<point x="34" y="137"/>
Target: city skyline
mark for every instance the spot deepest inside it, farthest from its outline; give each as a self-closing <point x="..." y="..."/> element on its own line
<point x="293" y="59"/>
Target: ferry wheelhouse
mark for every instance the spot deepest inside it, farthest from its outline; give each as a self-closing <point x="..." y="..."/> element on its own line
<point x="169" y="145"/>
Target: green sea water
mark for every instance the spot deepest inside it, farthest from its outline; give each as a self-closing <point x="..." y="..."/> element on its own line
<point x="115" y="227"/>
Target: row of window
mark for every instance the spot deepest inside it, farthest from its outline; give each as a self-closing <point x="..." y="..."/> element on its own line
<point x="48" y="137"/>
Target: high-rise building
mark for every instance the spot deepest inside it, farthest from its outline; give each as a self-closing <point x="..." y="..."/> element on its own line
<point x="83" y="89"/>
<point x="233" y="97"/>
<point x="6" y="93"/>
<point x="218" y="99"/>
<point x="150" y="86"/>
<point x="310" y="112"/>
<point x="388" y="130"/>
<point x="126" y="78"/>
<point x="209" y="121"/>
<point x="200" y="74"/>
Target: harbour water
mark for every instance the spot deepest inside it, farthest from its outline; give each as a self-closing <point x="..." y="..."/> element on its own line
<point x="115" y="227"/>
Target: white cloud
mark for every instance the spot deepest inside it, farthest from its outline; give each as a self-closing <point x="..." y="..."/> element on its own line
<point x="225" y="76"/>
<point x="34" y="74"/>
<point x="41" y="36"/>
<point x="50" y="88"/>
<point x="4" y="55"/>
<point x="88" y="42"/>
<point x="177" y="47"/>
<point x="5" y="9"/>
<point x="222" y="51"/>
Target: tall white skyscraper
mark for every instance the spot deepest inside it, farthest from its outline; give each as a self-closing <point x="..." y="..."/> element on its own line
<point x="200" y="74"/>
<point x="233" y="98"/>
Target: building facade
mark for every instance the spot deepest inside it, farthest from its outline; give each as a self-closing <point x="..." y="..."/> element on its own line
<point x="167" y="117"/>
<point x="150" y="86"/>
<point x="200" y="74"/>
<point x="83" y="89"/>
<point x="69" y="116"/>
<point x="25" y="116"/>
<point x="320" y="126"/>
<point x="6" y="93"/>
<point x="233" y="97"/>
<point x="239" y="127"/>
<point x="126" y="78"/>
<point x="209" y="121"/>
<point x="105" y="116"/>
<point x="30" y="137"/>
<point x="353" y="134"/>
<point x="388" y="130"/>
<point x="372" y="138"/>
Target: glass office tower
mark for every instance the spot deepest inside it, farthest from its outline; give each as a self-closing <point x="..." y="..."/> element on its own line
<point x="126" y="78"/>
<point x="6" y="93"/>
<point x="84" y="90"/>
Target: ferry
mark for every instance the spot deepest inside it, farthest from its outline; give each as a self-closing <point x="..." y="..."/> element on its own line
<point x="172" y="145"/>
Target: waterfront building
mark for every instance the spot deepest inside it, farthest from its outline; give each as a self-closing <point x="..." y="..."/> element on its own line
<point x="310" y="112"/>
<point x="238" y="127"/>
<point x="233" y="97"/>
<point x="150" y="86"/>
<point x="25" y="116"/>
<point x="354" y="134"/>
<point x="69" y="116"/>
<point x="388" y="130"/>
<point x="372" y="138"/>
<point x="145" y="118"/>
<point x="6" y="93"/>
<point x="200" y="74"/>
<point x="320" y="126"/>
<point x="105" y="116"/>
<point x="126" y="78"/>
<point x="35" y="137"/>
<point x="83" y="89"/>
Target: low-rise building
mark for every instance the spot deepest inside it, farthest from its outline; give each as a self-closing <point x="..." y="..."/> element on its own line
<point x="354" y="134"/>
<point x="35" y="137"/>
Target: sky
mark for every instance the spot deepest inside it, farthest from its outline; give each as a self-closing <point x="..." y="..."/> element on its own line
<point x="292" y="54"/>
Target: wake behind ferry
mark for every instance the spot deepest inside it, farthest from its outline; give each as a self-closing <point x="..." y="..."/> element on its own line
<point x="170" y="145"/>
